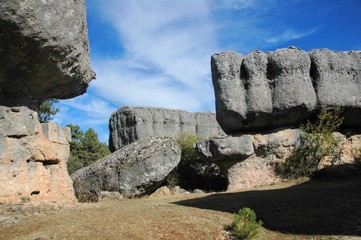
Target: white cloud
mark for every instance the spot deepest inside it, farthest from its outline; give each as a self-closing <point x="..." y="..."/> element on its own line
<point x="167" y="52"/>
<point x="290" y="34"/>
<point x="87" y="111"/>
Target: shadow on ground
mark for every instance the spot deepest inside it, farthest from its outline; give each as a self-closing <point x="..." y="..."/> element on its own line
<point x="318" y="207"/>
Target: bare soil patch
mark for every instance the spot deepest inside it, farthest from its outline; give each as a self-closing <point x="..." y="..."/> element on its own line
<point x="323" y="209"/>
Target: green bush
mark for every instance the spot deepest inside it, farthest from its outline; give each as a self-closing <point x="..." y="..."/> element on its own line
<point x="244" y="225"/>
<point x="317" y="142"/>
<point x="186" y="142"/>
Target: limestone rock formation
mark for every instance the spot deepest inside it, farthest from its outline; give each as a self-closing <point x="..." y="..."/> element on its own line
<point x="282" y="88"/>
<point x="130" y="124"/>
<point x="33" y="159"/>
<point x="249" y="160"/>
<point x="135" y="170"/>
<point x="337" y="78"/>
<point x="254" y="163"/>
<point x="44" y="51"/>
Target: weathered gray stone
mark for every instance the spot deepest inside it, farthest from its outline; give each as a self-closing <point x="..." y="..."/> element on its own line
<point x="282" y="88"/>
<point x="33" y="159"/>
<point x="130" y="124"/>
<point x="44" y="51"/>
<point x="337" y="77"/>
<point x="134" y="170"/>
<point x="249" y="160"/>
<point x="229" y="148"/>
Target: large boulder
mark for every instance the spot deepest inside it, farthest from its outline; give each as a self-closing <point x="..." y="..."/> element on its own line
<point x="130" y="124"/>
<point x="337" y="77"/>
<point x="44" y="51"/>
<point x="282" y="88"/>
<point x="135" y="170"/>
<point x="33" y="159"/>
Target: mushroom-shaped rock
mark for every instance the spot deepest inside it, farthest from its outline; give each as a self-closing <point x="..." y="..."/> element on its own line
<point x="44" y="51"/>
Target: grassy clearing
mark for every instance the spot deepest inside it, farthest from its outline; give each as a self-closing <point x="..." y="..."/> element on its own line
<point x="321" y="210"/>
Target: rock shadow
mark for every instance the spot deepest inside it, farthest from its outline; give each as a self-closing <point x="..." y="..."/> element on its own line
<point x="318" y="207"/>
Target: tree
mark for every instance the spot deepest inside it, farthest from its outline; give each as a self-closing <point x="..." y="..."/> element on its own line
<point x="47" y="110"/>
<point x="85" y="148"/>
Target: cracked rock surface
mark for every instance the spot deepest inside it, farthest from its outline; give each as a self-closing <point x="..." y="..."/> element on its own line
<point x="44" y="51"/>
<point x="33" y="159"/>
<point x="266" y="90"/>
<point x="135" y="170"/>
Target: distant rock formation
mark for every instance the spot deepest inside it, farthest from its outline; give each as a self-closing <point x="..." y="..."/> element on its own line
<point x="266" y="90"/>
<point x="137" y="169"/>
<point x="44" y="51"/>
<point x="33" y="159"/>
<point x="130" y="124"/>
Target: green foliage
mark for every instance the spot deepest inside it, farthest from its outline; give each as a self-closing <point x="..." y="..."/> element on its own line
<point x="47" y="110"/>
<point x="317" y="142"/>
<point x="186" y="142"/>
<point x="244" y="225"/>
<point x="85" y="148"/>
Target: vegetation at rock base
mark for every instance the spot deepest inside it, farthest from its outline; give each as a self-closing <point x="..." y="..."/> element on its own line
<point x="47" y="110"/>
<point x="244" y="225"/>
<point x="317" y="142"/>
<point x="186" y="142"/>
<point x="85" y="148"/>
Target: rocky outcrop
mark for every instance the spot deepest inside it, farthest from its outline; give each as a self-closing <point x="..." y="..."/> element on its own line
<point x="130" y="124"/>
<point x="33" y="159"/>
<point x="135" y="170"/>
<point x="44" y="51"/>
<point x="282" y="88"/>
<point x="254" y="164"/>
<point x="250" y="160"/>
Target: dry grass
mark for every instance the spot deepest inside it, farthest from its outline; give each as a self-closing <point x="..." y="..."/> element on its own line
<point x="318" y="210"/>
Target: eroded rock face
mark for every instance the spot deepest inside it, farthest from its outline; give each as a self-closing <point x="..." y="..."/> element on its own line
<point x="249" y="160"/>
<point x="337" y="77"/>
<point x="282" y="88"/>
<point x="33" y="159"/>
<point x="130" y="124"/>
<point x="44" y="51"/>
<point x="254" y="164"/>
<point x="135" y="170"/>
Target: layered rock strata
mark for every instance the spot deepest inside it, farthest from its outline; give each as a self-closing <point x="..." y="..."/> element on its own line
<point x="135" y="170"/>
<point x="266" y="90"/>
<point x="130" y="124"/>
<point x="44" y="51"/>
<point x="33" y="159"/>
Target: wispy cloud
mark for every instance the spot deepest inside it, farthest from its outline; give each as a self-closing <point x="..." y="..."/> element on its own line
<point x="167" y="50"/>
<point x="289" y="35"/>
<point x="87" y="111"/>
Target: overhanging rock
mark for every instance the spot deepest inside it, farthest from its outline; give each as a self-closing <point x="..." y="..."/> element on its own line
<point x="44" y="51"/>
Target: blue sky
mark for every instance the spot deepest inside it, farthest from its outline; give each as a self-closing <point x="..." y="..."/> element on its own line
<point x="157" y="52"/>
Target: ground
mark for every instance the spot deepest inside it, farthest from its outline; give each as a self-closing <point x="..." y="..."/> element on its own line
<point x="322" y="209"/>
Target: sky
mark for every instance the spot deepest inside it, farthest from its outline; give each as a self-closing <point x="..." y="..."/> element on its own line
<point x="156" y="53"/>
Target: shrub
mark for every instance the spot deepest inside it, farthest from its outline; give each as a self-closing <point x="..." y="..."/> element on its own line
<point x="244" y="225"/>
<point x="186" y="142"/>
<point x="317" y="142"/>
